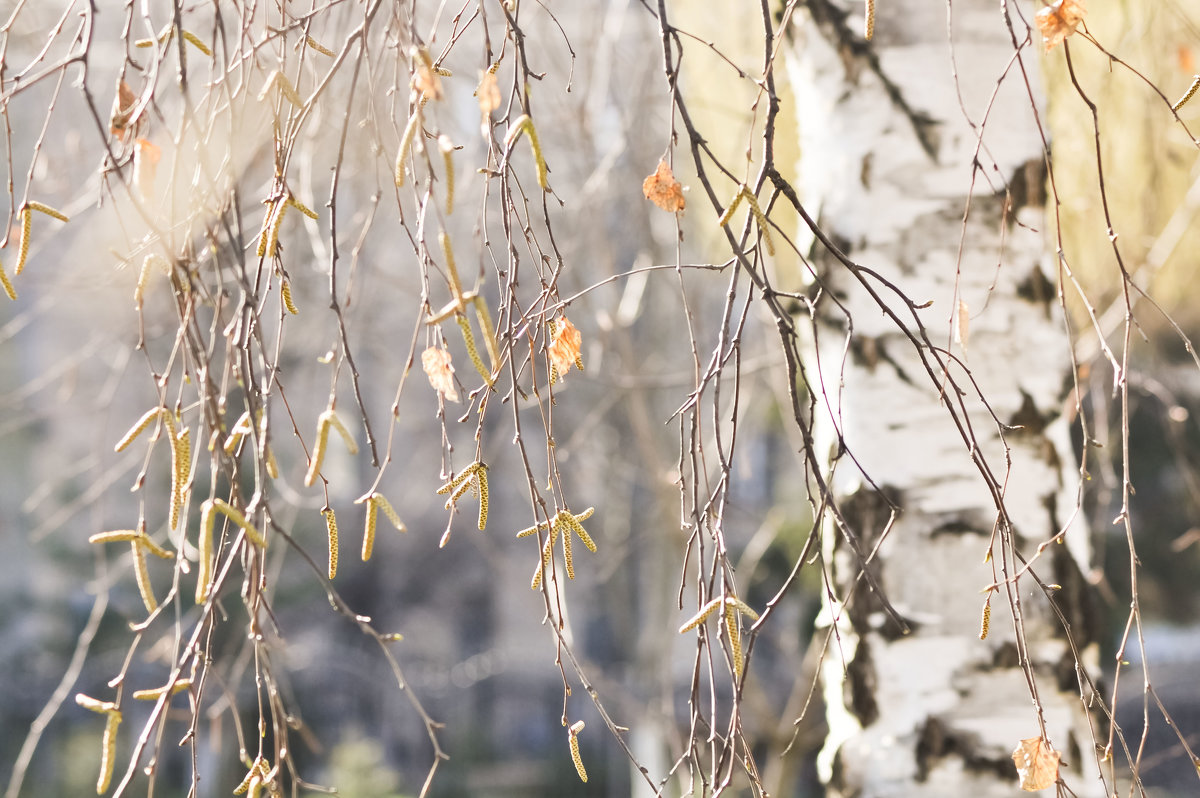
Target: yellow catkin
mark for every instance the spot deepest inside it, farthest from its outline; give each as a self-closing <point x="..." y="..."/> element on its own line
<point x="137" y="429"/>
<point x="286" y="290"/>
<point x="379" y="500"/>
<point x="279" y="80"/>
<point x="457" y="481"/>
<point x="23" y="249"/>
<point x="451" y="268"/>
<point x="314" y="465"/>
<point x="204" y="548"/>
<point x="8" y="286"/>
<point x="313" y="43"/>
<point x="152" y="547"/>
<point x="197" y="43"/>
<point x="481" y="479"/>
<point x="46" y="209"/>
<point x="870" y="23"/>
<point x="701" y="616"/>
<point x="573" y="741"/>
<point x="547" y="550"/>
<point x="469" y="338"/>
<point x="733" y="206"/>
<point x="164" y="36"/>
<point x="239" y="430"/>
<point x="762" y="221"/>
<point x="273" y="237"/>
<point x="272" y="466"/>
<point x="115" y="536"/>
<point x="142" y="573"/>
<point x="987" y="617"/>
<point x="108" y="751"/>
<point x="259" y="769"/>
<point x="265" y="231"/>
<point x="1191" y="92"/>
<point x="406" y="140"/>
<point x="524" y="124"/>
<point x="489" y="334"/>
<point x="337" y="424"/>
<point x="95" y="704"/>
<point x="447" y="149"/>
<point x="458" y="493"/>
<point x="139" y="291"/>
<point x="574" y="525"/>
<point x="254" y="790"/>
<point x="300" y="206"/>
<point x="235" y="515"/>
<point x="566" y="537"/>
<point x="527" y="531"/>
<point x="735" y="638"/>
<point x="181" y="465"/>
<point x="741" y="607"/>
<point x="331" y="526"/>
<point x="369" y="531"/>
<point x="158" y="692"/>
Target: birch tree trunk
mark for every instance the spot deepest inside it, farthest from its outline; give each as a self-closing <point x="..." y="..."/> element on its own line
<point x="890" y="130"/>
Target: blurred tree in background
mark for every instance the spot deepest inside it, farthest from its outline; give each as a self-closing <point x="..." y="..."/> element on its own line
<point x="773" y="346"/>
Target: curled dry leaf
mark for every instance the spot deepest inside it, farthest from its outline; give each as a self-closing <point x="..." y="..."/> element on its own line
<point x="564" y="346"/>
<point x="122" y="108"/>
<point x="437" y="366"/>
<point x="488" y="93"/>
<point x="426" y="82"/>
<point x="145" y="166"/>
<point x="1037" y="764"/>
<point x="1058" y="21"/>
<point x="962" y="324"/>
<point x="663" y="189"/>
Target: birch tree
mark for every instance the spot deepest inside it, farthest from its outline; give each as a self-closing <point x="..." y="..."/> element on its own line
<point x="947" y="425"/>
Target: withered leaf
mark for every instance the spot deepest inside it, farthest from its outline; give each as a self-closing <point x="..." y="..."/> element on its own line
<point x="962" y="324"/>
<point x="122" y="107"/>
<point x="1058" y="21"/>
<point x="1037" y="764"/>
<point x="564" y="346"/>
<point x="437" y="366"/>
<point x="663" y="189"/>
<point x="488" y="93"/>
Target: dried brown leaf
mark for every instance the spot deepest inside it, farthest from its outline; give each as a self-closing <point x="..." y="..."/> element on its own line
<point x="439" y="369"/>
<point x="488" y="93"/>
<point x="145" y="166"/>
<point x="1058" y="21"/>
<point x="962" y="324"/>
<point x="1037" y="764"/>
<point x="122" y="107"/>
<point x="663" y="189"/>
<point x="564" y="346"/>
<point x="426" y="82"/>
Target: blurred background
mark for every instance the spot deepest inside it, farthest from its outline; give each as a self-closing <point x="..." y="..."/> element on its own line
<point x="477" y="650"/>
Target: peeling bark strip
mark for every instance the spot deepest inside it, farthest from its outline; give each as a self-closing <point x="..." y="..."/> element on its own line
<point x="889" y="141"/>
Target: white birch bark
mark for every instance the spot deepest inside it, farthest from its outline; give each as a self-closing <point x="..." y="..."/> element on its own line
<point x="886" y="164"/>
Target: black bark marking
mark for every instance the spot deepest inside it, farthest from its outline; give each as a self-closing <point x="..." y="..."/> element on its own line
<point x="860" y="685"/>
<point x="867" y="513"/>
<point x="1037" y="289"/>
<point x="1028" y="421"/>
<point x="936" y="740"/>
<point x="1027" y="187"/>
<point x="858" y="55"/>
<point x="1076" y="602"/>
<point x="1006" y="655"/>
